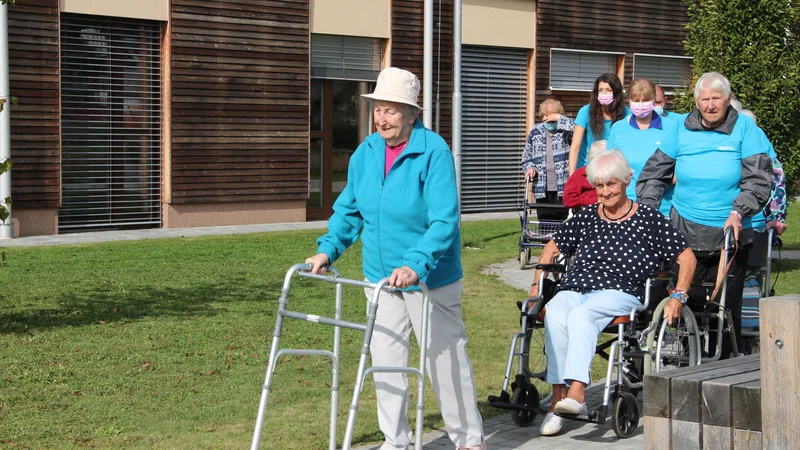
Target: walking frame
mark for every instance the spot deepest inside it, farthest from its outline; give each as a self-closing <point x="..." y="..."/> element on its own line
<point x="333" y="276"/>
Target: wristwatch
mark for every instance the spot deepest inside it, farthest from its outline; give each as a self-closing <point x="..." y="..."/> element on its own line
<point x="680" y="296"/>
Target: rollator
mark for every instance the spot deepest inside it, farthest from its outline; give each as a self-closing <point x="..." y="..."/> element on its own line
<point x="275" y="353"/>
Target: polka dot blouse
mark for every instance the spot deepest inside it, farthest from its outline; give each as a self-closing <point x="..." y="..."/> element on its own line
<point x="616" y="255"/>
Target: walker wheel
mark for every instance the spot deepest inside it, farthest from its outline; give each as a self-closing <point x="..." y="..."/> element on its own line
<point x="524" y="257"/>
<point x="530" y="398"/>
<point x="626" y="415"/>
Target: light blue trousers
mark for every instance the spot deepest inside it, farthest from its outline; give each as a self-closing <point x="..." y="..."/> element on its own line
<point x="571" y="326"/>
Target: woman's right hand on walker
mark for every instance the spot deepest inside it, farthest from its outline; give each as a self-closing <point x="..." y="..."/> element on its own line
<point x="530" y="174"/>
<point x="317" y="262"/>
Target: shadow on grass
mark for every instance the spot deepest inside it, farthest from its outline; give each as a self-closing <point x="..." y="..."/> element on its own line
<point x="96" y="305"/>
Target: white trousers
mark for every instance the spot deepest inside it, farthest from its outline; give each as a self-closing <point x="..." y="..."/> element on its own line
<point x="449" y="367"/>
<point x="571" y="327"/>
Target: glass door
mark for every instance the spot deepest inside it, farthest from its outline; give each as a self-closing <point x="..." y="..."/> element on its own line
<point x="340" y="121"/>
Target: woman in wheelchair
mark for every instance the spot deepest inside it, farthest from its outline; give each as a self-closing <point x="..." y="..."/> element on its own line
<point x="614" y="245"/>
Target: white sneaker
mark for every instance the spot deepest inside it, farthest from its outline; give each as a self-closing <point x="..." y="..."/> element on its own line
<point x="550" y="425"/>
<point x="570" y="406"/>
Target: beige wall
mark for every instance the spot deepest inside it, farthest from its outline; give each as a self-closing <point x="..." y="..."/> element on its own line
<point x="224" y="214"/>
<point x="499" y="23"/>
<point x="367" y="18"/>
<point x="132" y="9"/>
<point x="34" y="222"/>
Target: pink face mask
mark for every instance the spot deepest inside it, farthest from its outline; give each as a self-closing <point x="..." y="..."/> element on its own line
<point x="605" y="99"/>
<point x="642" y="110"/>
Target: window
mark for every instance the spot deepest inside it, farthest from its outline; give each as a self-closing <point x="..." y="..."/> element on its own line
<point x="576" y="70"/>
<point x="111" y="124"/>
<point x="345" y="57"/>
<point x="666" y="71"/>
<point x="494" y="84"/>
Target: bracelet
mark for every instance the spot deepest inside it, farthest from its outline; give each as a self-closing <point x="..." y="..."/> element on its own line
<point x="535" y="284"/>
<point x="737" y="214"/>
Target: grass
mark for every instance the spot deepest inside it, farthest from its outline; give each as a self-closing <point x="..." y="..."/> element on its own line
<point x="164" y="343"/>
<point x="791" y="238"/>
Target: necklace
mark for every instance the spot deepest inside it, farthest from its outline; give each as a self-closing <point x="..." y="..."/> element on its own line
<point x="617" y="219"/>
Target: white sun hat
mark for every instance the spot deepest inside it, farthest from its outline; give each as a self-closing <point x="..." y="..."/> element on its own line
<point x="396" y="85"/>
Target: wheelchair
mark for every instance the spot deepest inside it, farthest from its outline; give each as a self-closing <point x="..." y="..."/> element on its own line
<point x="644" y="343"/>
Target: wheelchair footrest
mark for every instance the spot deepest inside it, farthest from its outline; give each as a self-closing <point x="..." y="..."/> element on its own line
<point x="511" y="406"/>
<point x="594" y="416"/>
<point x="504" y="402"/>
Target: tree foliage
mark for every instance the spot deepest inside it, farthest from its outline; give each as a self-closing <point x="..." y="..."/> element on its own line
<point x="756" y="45"/>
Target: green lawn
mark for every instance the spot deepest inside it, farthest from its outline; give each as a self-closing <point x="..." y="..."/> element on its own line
<point x="164" y="343"/>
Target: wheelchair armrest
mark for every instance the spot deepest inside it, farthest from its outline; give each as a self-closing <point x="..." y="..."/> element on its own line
<point x="552" y="268"/>
<point x="664" y="276"/>
<point x="537" y="304"/>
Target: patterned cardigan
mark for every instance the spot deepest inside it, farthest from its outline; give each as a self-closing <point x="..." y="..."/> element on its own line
<point x="534" y="154"/>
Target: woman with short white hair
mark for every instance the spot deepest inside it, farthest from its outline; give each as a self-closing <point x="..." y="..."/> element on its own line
<point x="614" y="244"/>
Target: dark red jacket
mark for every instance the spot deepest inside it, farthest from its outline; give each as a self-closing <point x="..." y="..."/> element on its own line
<point x="578" y="192"/>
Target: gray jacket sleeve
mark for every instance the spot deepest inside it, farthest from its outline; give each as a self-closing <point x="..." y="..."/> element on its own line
<point x="655" y="178"/>
<point x="755" y="186"/>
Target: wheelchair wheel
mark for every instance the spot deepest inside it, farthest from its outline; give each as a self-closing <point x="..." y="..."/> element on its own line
<point x="678" y="345"/>
<point x="626" y="415"/>
<point x="529" y="398"/>
<point x="537" y="365"/>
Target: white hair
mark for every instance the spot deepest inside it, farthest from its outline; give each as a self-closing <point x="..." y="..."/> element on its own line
<point x="750" y="114"/>
<point x="714" y="81"/>
<point x="596" y="148"/>
<point x="607" y="166"/>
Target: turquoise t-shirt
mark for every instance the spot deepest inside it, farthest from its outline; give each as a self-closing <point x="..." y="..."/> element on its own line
<point x="708" y="166"/>
<point x="582" y="120"/>
<point x="639" y="145"/>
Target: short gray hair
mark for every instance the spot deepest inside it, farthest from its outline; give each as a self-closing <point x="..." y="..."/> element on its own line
<point x="607" y="166"/>
<point x="408" y="111"/>
<point x="596" y="148"/>
<point x="714" y="81"/>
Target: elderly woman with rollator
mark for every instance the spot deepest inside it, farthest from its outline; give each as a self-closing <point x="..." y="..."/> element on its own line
<point x="724" y="176"/>
<point x="401" y="200"/>
<point x="614" y="245"/>
<point x="545" y="158"/>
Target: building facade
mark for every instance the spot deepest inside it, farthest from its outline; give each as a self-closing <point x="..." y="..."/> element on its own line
<point x="182" y="113"/>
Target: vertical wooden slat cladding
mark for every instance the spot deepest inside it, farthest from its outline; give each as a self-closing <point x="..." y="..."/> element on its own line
<point x="240" y="98"/>
<point x="407" y="51"/>
<point x="33" y="29"/>
<point x="656" y="27"/>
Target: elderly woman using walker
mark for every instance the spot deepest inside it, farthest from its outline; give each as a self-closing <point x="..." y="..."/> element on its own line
<point x="401" y="199"/>
<point x="614" y="244"/>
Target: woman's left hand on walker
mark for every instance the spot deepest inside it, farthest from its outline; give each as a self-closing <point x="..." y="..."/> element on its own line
<point x="403" y="277"/>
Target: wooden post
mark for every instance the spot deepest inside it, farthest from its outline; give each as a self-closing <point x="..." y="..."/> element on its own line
<point x="780" y="371"/>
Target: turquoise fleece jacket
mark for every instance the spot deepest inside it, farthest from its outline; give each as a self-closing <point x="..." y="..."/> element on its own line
<point x="409" y="219"/>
